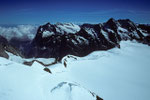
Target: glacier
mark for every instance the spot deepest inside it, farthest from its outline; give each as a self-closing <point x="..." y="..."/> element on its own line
<point x="116" y="74"/>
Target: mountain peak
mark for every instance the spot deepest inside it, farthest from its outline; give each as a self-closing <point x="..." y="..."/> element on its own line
<point x="111" y="20"/>
<point x="48" y="23"/>
<point x="112" y="24"/>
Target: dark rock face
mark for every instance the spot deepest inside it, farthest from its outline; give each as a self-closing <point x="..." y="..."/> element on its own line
<point x="22" y="45"/>
<point x="59" y="40"/>
<point x="3" y="43"/>
<point x="3" y="40"/>
<point x="147" y="40"/>
<point x="2" y="52"/>
<point x="5" y="46"/>
<point x="145" y="28"/>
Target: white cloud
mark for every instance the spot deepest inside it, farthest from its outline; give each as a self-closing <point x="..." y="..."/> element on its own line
<point x="19" y="31"/>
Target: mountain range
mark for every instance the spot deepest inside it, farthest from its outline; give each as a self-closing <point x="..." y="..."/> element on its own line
<point x="61" y="39"/>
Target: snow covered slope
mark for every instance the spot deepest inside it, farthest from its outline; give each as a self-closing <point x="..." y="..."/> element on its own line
<point x="20" y="82"/>
<point x="116" y="74"/>
<point x="48" y="29"/>
<point x="67" y="28"/>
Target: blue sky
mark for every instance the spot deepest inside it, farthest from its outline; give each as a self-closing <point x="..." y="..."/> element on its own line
<point x="76" y="11"/>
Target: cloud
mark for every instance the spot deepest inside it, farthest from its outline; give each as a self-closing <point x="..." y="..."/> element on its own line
<point x="19" y="31"/>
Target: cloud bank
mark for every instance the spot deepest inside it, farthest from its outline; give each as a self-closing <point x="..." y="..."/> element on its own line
<point x="19" y="31"/>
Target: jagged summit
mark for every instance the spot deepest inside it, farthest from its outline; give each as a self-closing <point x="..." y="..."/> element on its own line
<point x="112" y="21"/>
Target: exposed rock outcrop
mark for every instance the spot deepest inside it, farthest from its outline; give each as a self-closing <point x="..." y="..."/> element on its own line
<point x="6" y="47"/>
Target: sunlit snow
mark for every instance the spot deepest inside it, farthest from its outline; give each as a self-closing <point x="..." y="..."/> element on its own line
<point x="116" y="74"/>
